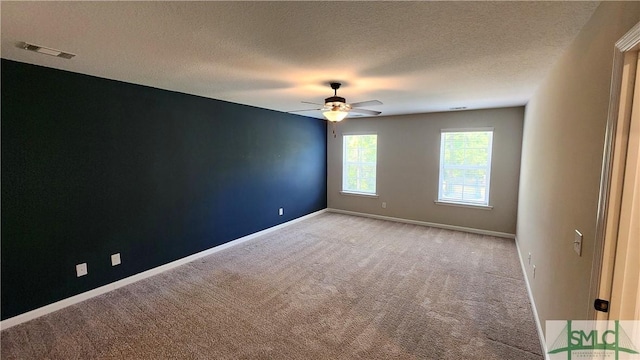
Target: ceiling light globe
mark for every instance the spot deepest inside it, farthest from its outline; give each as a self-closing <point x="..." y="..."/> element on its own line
<point x="335" y="115"/>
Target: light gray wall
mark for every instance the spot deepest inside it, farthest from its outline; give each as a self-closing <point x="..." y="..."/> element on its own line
<point x="561" y="162"/>
<point x="408" y="165"/>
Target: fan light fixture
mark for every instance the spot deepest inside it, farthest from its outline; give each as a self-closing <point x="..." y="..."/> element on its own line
<point x="335" y="115"/>
<point x="337" y="112"/>
<point x="336" y="106"/>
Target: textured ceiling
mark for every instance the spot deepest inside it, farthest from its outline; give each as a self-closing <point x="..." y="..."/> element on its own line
<point x="413" y="56"/>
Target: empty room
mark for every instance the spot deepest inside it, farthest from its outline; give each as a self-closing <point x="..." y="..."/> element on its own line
<point x="320" y="180"/>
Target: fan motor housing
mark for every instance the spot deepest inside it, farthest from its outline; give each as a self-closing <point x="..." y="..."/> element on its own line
<point x="335" y="99"/>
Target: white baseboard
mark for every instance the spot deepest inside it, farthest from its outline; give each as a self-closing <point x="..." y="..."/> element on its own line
<point x="19" y="319"/>
<point x="543" y="344"/>
<point x="424" y="223"/>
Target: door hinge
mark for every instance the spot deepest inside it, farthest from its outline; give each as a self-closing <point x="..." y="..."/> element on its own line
<point x="601" y="305"/>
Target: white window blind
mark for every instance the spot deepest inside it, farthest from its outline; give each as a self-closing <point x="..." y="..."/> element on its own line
<point x="359" y="157"/>
<point x="465" y="166"/>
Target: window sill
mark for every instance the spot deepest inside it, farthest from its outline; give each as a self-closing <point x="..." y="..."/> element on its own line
<point x="471" y="206"/>
<point x="350" y="193"/>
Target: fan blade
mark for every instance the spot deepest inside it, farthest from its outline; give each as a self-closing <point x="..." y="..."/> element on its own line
<point x="364" y="111"/>
<point x="367" y="103"/>
<point x="303" y="110"/>
<point x="312" y="103"/>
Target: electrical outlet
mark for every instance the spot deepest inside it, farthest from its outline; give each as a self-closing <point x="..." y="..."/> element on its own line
<point x="280" y="211"/>
<point x="81" y="269"/>
<point x="384" y="205"/>
<point x="577" y="243"/>
<point x="115" y="259"/>
<point x="529" y="258"/>
<point x="534" y="271"/>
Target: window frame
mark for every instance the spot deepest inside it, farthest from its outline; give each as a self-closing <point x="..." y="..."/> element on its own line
<point x="344" y="167"/>
<point x="485" y="203"/>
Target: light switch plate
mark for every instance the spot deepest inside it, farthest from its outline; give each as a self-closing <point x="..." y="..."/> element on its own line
<point x="115" y="259"/>
<point x="577" y="243"/>
<point x="81" y="269"/>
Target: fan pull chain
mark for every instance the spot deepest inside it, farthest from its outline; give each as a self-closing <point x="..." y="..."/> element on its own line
<point x="333" y="127"/>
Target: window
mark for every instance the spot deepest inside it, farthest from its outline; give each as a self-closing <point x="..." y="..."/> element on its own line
<point x="465" y="166"/>
<point x="359" y="156"/>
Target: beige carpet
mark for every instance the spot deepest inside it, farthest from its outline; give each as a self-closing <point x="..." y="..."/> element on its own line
<point x="329" y="287"/>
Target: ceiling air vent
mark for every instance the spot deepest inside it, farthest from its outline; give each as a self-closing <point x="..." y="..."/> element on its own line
<point x="458" y="108"/>
<point x="46" y="50"/>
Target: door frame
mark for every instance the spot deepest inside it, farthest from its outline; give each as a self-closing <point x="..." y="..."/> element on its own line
<point x="601" y="268"/>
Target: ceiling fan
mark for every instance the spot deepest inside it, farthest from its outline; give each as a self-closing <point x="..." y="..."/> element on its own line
<point x="335" y="108"/>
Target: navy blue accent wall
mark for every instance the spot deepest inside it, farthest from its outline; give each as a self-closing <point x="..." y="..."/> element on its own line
<point x="92" y="167"/>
